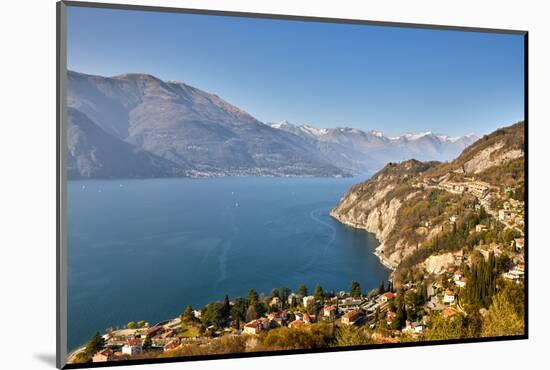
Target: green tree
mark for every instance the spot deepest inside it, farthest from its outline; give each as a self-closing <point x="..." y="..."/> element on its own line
<point x="147" y="343"/>
<point x="238" y="311"/>
<point x="400" y="316"/>
<point x="481" y="282"/>
<point x="446" y="328"/>
<point x="473" y="325"/>
<point x="412" y="301"/>
<point x="226" y="311"/>
<point x="201" y="329"/>
<point x="505" y="317"/>
<point x="302" y="290"/>
<point x="213" y="314"/>
<point x="355" y="289"/>
<point x="252" y="297"/>
<point x="293" y="302"/>
<point x="284" y="292"/>
<point x="237" y="323"/>
<point x="275" y="293"/>
<point x="188" y="315"/>
<point x="261" y="308"/>
<point x="381" y="288"/>
<point x="141" y="324"/>
<point x="131" y="325"/>
<point x="351" y="336"/>
<point x="96" y="343"/>
<point x="318" y="292"/>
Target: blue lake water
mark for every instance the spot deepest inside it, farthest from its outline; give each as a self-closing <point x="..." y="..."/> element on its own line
<point x="144" y="249"/>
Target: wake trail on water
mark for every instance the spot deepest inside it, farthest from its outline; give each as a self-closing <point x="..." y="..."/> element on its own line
<point x="332" y="237"/>
<point x="226" y="245"/>
<point x="222" y="260"/>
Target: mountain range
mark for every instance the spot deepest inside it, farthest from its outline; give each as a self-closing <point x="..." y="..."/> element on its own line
<point x="363" y="151"/>
<point x="138" y="126"/>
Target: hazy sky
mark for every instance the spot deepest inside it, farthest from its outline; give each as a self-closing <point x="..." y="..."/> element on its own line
<point x="395" y="80"/>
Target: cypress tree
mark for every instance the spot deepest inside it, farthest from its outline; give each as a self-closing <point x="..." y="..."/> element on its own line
<point x="355" y="289"/>
<point x="252" y="297"/>
<point x="147" y="343"/>
<point x="318" y="292"/>
<point x="226" y="311"/>
<point x="381" y="288"/>
<point x="302" y="290"/>
<point x="95" y="344"/>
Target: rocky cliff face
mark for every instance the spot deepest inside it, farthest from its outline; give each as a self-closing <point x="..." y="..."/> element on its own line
<point x="374" y="206"/>
<point x="492" y="150"/>
<point x="397" y="203"/>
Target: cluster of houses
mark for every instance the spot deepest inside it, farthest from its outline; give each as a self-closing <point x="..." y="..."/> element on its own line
<point x="512" y="212"/>
<point x="516" y="273"/>
<point x="478" y="188"/>
<point x="341" y="309"/>
<point x="126" y="343"/>
<point x="351" y="311"/>
<point x="348" y="310"/>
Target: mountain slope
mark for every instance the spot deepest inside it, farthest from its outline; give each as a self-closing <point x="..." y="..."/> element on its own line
<point x="360" y="151"/>
<point x="191" y="128"/>
<point x="412" y="206"/>
<point x="93" y="153"/>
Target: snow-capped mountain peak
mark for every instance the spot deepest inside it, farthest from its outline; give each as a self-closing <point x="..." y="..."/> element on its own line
<point x="314" y="130"/>
<point x="300" y="130"/>
<point x="416" y="136"/>
<point x="357" y="149"/>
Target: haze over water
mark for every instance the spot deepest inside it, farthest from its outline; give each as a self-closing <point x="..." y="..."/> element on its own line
<point x="144" y="249"/>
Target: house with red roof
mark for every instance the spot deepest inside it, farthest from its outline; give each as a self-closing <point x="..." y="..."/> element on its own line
<point x="351" y="318"/>
<point x="298" y="324"/>
<point x="173" y="344"/>
<point x="329" y="312"/>
<point x="132" y="347"/>
<point x="253" y="327"/>
<point x="104" y="355"/>
<point x="388" y="296"/>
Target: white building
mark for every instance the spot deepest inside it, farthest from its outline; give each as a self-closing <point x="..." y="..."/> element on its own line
<point x="253" y="327"/>
<point x="480" y="228"/>
<point x="449" y="297"/>
<point x="413" y="327"/>
<point x="461" y="282"/>
<point x="295" y="297"/>
<point x="132" y="347"/>
<point x="308" y="300"/>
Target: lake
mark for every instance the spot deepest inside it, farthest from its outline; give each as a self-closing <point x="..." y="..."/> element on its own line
<point x="144" y="249"/>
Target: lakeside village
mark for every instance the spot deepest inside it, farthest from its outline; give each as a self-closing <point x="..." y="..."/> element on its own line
<point x="439" y="309"/>
<point x="474" y="292"/>
<point x="501" y="205"/>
